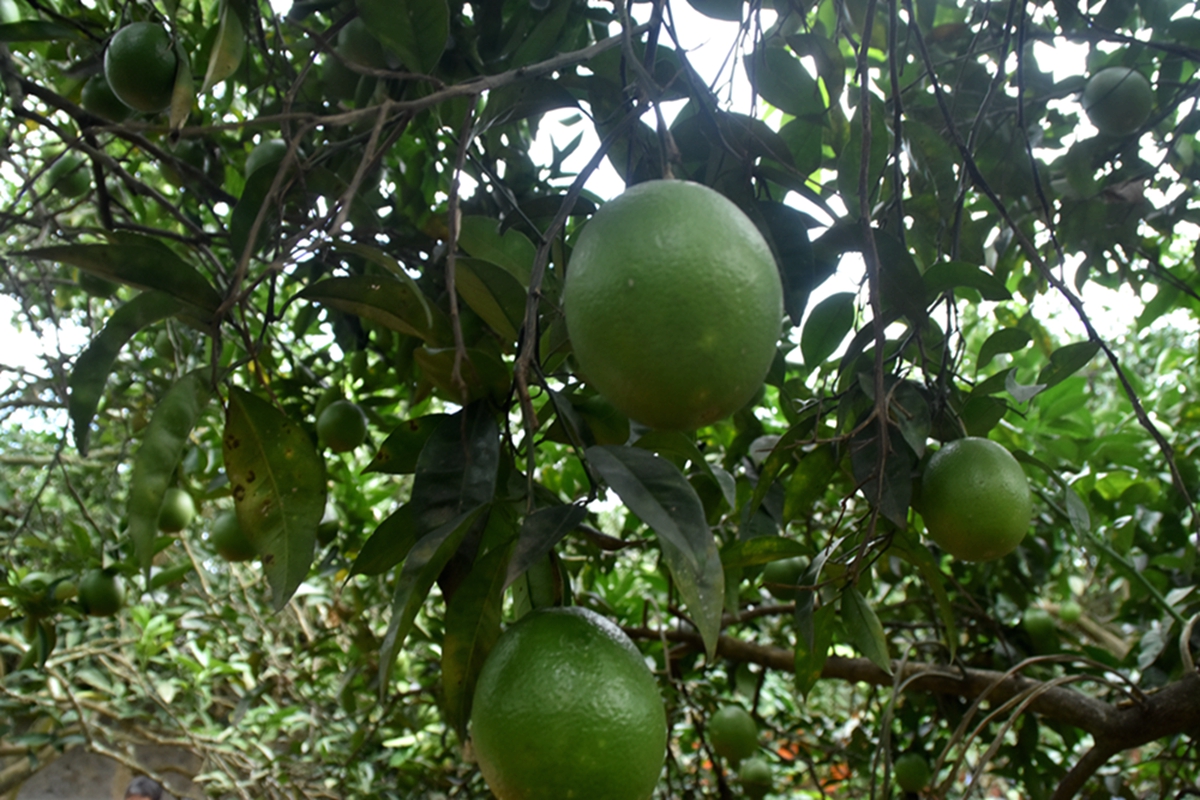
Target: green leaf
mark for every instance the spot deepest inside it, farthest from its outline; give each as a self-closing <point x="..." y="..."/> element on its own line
<point x="781" y="80"/>
<point x="457" y="468"/>
<point x="382" y="259"/>
<point x="946" y="275"/>
<point x="896" y="494"/>
<point x="415" y="31"/>
<point x="1066" y="361"/>
<point x="472" y="628"/>
<point x="540" y="531"/>
<point x="826" y="328"/>
<point x="389" y="544"/>
<point x="906" y="545"/>
<point x="480" y="237"/>
<point x="485" y="374"/>
<point x="760" y="550"/>
<point x="91" y="370"/>
<point x="1005" y="340"/>
<point x="787" y="231"/>
<point x="148" y="265"/>
<point x="864" y="629"/>
<point x="278" y="483"/>
<point x="656" y="491"/>
<point x="422" y="566"/>
<point x="808" y="482"/>
<point x="492" y="293"/>
<point x="729" y="10"/>
<point x="400" y="450"/>
<point x="811" y="653"/>
<point x="154" y="464"/>
<point x="394" y="304"/>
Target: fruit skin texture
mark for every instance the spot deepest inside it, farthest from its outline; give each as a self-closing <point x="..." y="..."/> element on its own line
<point x="975" y="500"/>
<point x="177" y="511"/>
<point x="755" y="777"/>
<point x="566" y="708"/>
<point x="228" y="539"/>
<point x="673" y="304"/>
<point x="101" y="593"/>
<point x="139" y="65"/>
<point x="1118" y="100"/>
<point x="733" y="733"/>
<point x="342" y="426"/>
<point x="912" y="772"/>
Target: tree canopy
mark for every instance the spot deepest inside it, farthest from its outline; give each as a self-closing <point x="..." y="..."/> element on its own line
<point x="376" y="201"/>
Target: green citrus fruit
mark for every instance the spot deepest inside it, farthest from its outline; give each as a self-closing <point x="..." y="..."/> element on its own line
<point x="176" y="512"/>
<point x="139" y="65"/>
<point x="101" y="593"/>
<point x="1042" y="630"/>
<point x="1118" y="100"/>
<point x="70" y="176"/>
<point x="342" y="426"/>
<point x="565" y="707"/>
<point x="269" y="152"/>
<point x="38" y="601"/>
<point x="673" y="304"/>
<point x="780" y="577"/>
<point x="228" y="539"/>
<point x="912" y="772"/>
<point x="733" y="733"/>
<point x="1070" y="611"/>
<point x="756" y="777"/>
<point x="359" y="46"/>
<point x="975" y="500"/>
<point x="98" y="98"/>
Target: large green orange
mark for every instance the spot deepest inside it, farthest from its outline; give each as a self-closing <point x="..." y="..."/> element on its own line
<point x="673" y="304"/>
<point x="975" y="500"/>
<point x="70" y="176"/>
<point x="565" y="707"/>
<point x="1118" y="100"/>
<point x="139" y="64"/>
<point x="733" y="733"/>
<point x="98" y="98"/>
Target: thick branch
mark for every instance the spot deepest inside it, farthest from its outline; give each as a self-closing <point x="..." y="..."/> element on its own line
<point x="1173" y="710"/>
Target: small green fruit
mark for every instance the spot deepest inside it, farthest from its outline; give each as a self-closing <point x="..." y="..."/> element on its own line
<point x="1070" y="611"/>
<point x="780" y="577"/>
<point x="912" y="772"/>
<point x="229" y="540"/>
<point x="342" y="426"/>
<point x="177" y="511"/>
<point x="756" y="778"/>
<point x="101" y="593"/>
<point x="733" y="733"/>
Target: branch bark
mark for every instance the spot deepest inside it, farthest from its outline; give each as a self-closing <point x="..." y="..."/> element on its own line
<point x="1172" y="710"/>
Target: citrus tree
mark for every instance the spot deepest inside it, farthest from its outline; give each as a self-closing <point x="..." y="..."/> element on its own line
<point x="354" y="352"/>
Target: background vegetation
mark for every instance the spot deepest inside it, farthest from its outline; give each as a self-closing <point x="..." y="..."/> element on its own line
<point x="405" y="249"/>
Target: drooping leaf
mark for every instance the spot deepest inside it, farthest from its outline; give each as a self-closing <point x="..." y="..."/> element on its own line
<point x="422" y="566"/>
<point x="481" y="238"/>
<point x="787" y="231"/>
<point x="400" y="450"/>
<point x="158" y="456"/>
<point x="457" y="468"/>
<point x="91" y="370"/>
<point x="1005" y="340"/>
<point x="277" y="479"/>
<point x="808" y="482"/>
<point x="227" y="50"/>
<point x="826" y="328"/>
<point x="483" y="372"/>
<point x="540" y="531"/>
<point x="864" y="628"/>
<point x="656" y="491"/>
<point x="472" y="628"/>
<point x="493" y="293"/>
<point x="947" y="275"/>
<point x="729" y="10"/>
<point x="1066" y="361"/>
<point x="393" y="303"/>
<point x="36" y="30"/>
<point x="811" y="653"/>
<point x="150" y="265"/>
<point x="388" y="545"/>
<point x="781" y="79"/>
<point x="893" y="490"/>
<point x="415" y="31"/>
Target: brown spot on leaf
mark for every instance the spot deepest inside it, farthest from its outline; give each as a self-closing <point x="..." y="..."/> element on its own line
<point x="239" y="493"/>
<point x="250" y="476"/>
<point x="232" y="442"/>
<point x="268" y="560"/>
